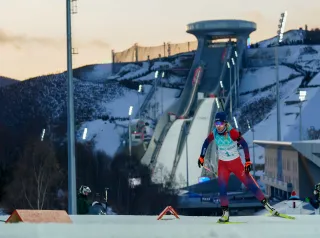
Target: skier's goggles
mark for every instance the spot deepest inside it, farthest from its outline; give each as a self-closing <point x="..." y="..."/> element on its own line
<point x="219" y="123"/>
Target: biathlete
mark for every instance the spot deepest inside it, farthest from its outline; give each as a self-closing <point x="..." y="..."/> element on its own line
<point x="229" y="161"/>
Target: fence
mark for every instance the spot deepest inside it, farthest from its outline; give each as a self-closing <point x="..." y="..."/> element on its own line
<point x="140" y="53"/>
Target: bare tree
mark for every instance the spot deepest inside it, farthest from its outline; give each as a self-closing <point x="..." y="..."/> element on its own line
<point x="37" y="172"/>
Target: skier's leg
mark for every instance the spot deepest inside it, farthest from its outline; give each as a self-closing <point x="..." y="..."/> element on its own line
<point x="223" y="178"/>
<point x="237" y="168"/>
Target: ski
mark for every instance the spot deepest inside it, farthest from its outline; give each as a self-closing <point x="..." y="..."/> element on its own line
<point x="285" y="216"/>
<point x="232" y="222"/>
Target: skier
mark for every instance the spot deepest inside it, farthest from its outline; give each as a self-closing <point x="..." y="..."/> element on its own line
<point x="226" y="139"/>
<point x="83" y="202"/>
<point x="315" y="202"/>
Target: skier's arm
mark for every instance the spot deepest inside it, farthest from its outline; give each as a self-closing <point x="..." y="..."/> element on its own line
<point x="236" y="136"/>
<point x="206" y="143"/>
<point x="313" y="202"/>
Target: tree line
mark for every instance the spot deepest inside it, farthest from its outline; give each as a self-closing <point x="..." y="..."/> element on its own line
<point x="32" y="170"/>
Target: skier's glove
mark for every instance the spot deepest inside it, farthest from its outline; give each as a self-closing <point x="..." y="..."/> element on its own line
<point x="248" y="166"/>
<point x="200" y="161"/>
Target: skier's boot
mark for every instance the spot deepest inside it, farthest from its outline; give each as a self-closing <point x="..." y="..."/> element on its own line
<point x="225" y="214"/>
<point x="269" y="208"/>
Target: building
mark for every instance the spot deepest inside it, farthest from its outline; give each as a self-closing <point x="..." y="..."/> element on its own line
<point x="290" y="166"/>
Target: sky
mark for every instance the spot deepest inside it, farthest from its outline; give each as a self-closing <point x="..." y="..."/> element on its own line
<point x="33" y="32"/>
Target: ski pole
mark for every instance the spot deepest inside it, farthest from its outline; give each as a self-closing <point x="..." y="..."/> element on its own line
<point x="206" y="168"/>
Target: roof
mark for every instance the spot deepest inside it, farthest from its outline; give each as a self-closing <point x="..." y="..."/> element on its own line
<point x="309" y="148"/>
<point x="221" y="27"/>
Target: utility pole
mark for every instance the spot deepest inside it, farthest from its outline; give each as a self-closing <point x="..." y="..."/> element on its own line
<point x="72" y="186"/>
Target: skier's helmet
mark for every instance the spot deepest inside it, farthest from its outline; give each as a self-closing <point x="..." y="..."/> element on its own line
<point x="316" y="189"/>
<point x="220" y="122"/>
<point x="84" y="190"/>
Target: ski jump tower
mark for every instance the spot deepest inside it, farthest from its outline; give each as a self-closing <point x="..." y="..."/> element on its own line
<point x="206" y="31"/>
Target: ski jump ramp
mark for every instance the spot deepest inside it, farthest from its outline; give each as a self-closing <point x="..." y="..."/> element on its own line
<point x="187" y="227"/>
<point x="168" y="152"/>
<point x="197" y="134"/>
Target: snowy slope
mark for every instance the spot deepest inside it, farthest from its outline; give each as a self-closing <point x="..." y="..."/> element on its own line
<point x="198" y="132"/>
<point x="306" y="57"/>
<point x="289" y="36"/>
<point x="93" y="73"/>
<point x="187" y="227"/>
<point x="258" y="88"/>
<point x="257" y="78"/>
<point x="108" y="136"/>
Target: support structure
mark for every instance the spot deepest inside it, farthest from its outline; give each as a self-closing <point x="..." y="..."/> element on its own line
<point x="72" y="186"/>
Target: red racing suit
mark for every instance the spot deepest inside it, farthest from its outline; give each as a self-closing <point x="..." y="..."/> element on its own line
<point x="229" y="161"/>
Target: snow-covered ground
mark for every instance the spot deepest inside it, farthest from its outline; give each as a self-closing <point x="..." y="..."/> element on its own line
<point x="286" y="207"/>
<point x="186" y="226"/>
<point x="106" y="135"/>
<point x="98" y="73"/>
<point x="305" y="56"/>
<point x="289" y="36"/>
<point x="257" y="78"/>
<point x="259" y="83"/>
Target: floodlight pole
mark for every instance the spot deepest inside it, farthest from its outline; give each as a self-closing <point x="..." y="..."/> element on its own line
<point x="278" y="94"/>
<point x="230" y="89"/>
<point x="300" y="123"/>
<point x="72" y="187"/>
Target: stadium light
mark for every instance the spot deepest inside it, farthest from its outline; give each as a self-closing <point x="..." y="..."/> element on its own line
<point x="302" y="98"/>
<point x="139" y="91"/>
<point x="217" y="102"/>
<point x="163" y="74"/>
<point x="84" y="135"/>
<point x="156" y="74"/>
<point x="42" y="135"/>
<point x="130" y="110"/>
<point x="235" y="122"/>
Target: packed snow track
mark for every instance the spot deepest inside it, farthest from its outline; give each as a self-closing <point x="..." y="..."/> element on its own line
<point x="116" y="226"/>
